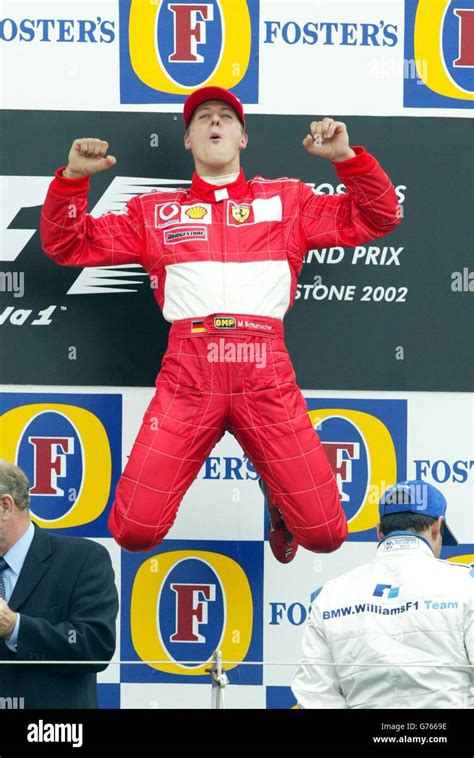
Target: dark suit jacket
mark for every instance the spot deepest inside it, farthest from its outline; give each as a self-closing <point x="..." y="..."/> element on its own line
<point x="68" y="602"/>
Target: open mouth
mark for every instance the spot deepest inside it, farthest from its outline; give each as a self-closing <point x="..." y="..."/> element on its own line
<point x="215" y="137"/>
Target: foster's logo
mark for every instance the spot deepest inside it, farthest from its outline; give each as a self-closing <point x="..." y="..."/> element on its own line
<point x="69" y="450"/>
<point x="439" y="38"/>
<point x="365" y="442"/>
<point x="184" y="605"/>
<point x="168" y="48"/>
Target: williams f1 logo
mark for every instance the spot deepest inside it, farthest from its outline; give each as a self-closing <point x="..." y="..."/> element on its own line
<point x="386" y="590"/>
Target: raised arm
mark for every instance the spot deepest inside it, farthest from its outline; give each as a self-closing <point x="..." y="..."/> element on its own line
<point x="370" y="208"/>
<point x="69" y="235"/>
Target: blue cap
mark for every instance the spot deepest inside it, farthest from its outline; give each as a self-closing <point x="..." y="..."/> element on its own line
<point x="416" y="496"/>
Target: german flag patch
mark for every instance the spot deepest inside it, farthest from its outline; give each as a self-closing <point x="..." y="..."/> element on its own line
<point x="198" y="326"/>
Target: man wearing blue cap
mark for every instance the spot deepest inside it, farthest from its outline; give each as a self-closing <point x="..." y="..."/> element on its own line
<point x="397" y="632"/>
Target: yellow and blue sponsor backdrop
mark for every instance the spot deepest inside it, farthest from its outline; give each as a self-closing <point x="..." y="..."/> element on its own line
<point x="366" y="443"/>
<point x="439" y="38"/>
<point x="188" y="597"/>
<point x="184" y="600"/>
<point x="170" y="47"/>
<point x="109" y="696"/>
<point x="69" y="445"/>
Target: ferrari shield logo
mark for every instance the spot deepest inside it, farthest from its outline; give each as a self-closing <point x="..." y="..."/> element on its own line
<point x="240" y="213"/>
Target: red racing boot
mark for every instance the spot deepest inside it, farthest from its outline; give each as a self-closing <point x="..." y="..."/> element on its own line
<point x="282" y="542"/>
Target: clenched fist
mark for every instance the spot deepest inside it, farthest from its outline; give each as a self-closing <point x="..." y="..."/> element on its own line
<point x="88" y="156"/>
<point x="7" y="619"/>
<point x="329" y="139"/>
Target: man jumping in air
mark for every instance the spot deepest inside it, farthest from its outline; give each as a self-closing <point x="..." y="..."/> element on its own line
<point x="227" y="253"/>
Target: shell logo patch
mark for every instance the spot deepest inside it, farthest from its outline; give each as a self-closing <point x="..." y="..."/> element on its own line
<point x="196" y="212"/>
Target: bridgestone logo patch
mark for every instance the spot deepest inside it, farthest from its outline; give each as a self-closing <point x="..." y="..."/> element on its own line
<point x="181" y="235"/>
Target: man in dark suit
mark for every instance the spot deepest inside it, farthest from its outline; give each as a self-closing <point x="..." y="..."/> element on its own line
<point x="58" y="602"/>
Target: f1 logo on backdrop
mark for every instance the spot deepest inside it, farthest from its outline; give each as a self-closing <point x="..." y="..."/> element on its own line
<point x="366" y="443"/>
<point x="185" y="603"/>
<point x="70" y="448"/>
<point x="439" y="38"/>
<point x="168" y="48"/>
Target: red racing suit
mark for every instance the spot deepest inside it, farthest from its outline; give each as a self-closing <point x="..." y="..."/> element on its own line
<point x="224" y="263"/>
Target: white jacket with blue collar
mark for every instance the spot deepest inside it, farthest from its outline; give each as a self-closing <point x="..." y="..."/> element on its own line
<point x="406" y="612"/>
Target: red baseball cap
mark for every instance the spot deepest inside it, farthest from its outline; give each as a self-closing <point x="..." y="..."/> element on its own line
<point x="200" y="96"/>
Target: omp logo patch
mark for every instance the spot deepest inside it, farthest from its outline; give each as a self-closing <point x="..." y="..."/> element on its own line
<point x="224" y="322"/>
